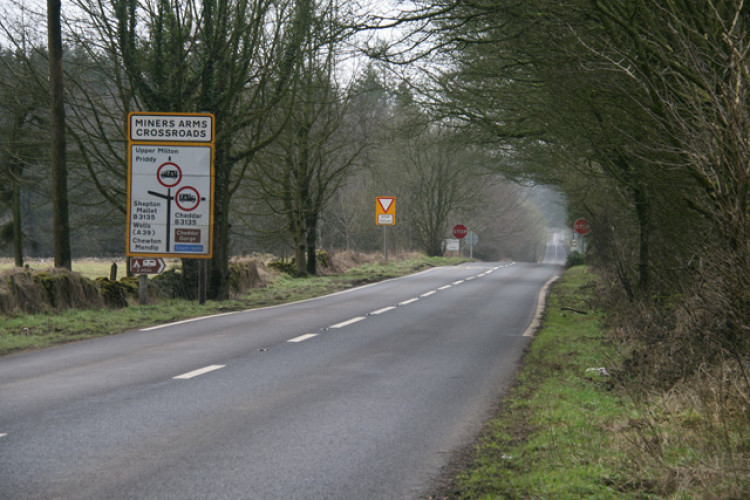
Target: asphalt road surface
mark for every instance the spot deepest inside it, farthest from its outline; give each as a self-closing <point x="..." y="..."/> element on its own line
<point x="361" y="394"/>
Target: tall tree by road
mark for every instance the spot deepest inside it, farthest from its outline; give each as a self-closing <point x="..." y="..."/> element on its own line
<point x="60" y="223"/>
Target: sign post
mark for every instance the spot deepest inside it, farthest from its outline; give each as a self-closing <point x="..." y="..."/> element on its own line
<point x="472" y="239"/>
<point x="581" y="227"/>
<point x="385" y="215"/>
<point x="459" y="232"/>
<point x="170" y="185"/>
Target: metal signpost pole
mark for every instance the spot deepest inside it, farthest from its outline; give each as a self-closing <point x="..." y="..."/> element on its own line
<point x="385" y="243"/>
<point x="202" y="275"/>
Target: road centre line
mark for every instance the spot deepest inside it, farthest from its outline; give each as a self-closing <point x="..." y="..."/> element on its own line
<point x="381" y="311"/>
<point x="200" y="371"/>
<point x="348" y="322"/>
<point x="457" y="282"/>
<point x="407" y="302"/>
<point x="302" y="338"/>
<point x="428" y="293"/>
<point x="3" y="434"/>
<point x="445" y="287"/>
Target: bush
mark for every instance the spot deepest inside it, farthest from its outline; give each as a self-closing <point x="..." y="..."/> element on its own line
<point x="169" y="284"/>
<point x="114" y="293"/>
<point x="285" y="266"/>
<point x="243" y="275"/>
<point x="575" y="258"/>
<point x="323" y="260"/>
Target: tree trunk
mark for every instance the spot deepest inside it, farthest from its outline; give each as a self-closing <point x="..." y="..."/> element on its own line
<point x="311" y="242"/>
<point x="218" y="288"/>
<point x="643" y="212"/>
<point x="61" y="227"/>
<point x="17" y="226"/>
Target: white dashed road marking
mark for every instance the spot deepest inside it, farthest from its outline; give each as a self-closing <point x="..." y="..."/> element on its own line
<point x="200" y="371"/>
<point x="381" y="311"/>
<point x="348" y="322"/>
<point x="406" y="302"/>
<point x="302" y="338"/>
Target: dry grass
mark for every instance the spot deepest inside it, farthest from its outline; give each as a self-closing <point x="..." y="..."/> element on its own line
<point x="91" y="267"/>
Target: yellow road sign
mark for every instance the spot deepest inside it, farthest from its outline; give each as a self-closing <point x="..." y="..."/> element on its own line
<point x="385" y="210"/>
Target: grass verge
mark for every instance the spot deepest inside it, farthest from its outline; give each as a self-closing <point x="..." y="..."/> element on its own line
<point x="553" y="437"/>
<point x="35" y="331"/>
<point x="568" y="432"/>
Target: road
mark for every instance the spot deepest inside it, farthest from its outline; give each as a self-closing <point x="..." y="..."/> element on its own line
<point x="361" y="394"/>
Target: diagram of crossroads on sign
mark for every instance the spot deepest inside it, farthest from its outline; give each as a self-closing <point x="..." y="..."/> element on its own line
<point x="170" y="186"/>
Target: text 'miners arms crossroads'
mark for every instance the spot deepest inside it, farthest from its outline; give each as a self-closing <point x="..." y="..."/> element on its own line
<point x="168" y="128"/>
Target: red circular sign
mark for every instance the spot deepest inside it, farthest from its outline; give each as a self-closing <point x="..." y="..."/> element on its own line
<point x="187" y="198"/>
<point x="581" y="226"/>
<point x="169" y="174"/>
<point x="459" y="231"/>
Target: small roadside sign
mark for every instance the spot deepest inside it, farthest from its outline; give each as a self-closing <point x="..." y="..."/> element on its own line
<point x="146" y="265"/>
<point x="385" y="210"/>
<point x="581" y="226"/>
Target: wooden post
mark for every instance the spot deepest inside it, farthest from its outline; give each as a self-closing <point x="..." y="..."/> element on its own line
<point x="202" y="275"/>
<point x="143" y="289"/>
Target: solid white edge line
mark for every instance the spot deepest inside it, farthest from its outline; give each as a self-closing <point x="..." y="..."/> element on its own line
<point x="431" y="292"/>
<point x="381" y="311"/>
<point x="278" y="306"/>
<point x="302" y="338"/>
<point x="407" y="302"/>
<point x="348" y="322"/>
<point x="185" y="321"/>
<point x="200" y="371"/>
<point x="540" y="305"/>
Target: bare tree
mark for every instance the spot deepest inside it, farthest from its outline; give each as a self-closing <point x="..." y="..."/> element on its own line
<point x="60" y="222"/>
<point x="23" y="140"/>
<point x="297" y="176"/>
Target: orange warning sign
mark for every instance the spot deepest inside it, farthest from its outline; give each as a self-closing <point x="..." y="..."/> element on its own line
<point x="385" y="210"/>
